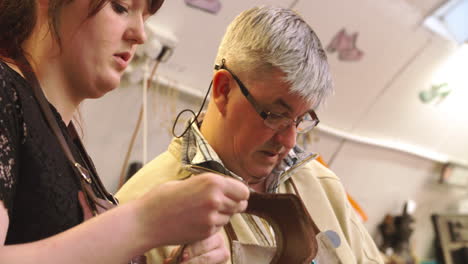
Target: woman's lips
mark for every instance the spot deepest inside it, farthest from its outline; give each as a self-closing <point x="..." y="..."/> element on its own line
<point x="122" y="59"/>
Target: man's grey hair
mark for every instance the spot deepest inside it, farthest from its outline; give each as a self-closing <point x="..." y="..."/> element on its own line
<point x="263" y="37"/>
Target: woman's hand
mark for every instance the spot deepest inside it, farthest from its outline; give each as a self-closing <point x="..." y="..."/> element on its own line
<point x="182" y="212"/>
<point x="208" y="251"/>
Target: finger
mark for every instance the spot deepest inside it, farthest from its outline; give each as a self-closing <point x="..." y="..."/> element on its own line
<point x="242" y="206"/>
<point x="235" y="189"/>
<point x="210" y="250"/>
<point x="231" y="207"/>
<point x="217" y="256"/>
<point x="201" y="247"/>
<point x="219" y="220"/>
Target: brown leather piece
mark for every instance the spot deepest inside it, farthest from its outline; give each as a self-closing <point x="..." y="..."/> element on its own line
<point x="295" y="231"/>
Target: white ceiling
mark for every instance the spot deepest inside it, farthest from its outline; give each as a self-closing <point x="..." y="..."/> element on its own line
<point x="376" y="97"/>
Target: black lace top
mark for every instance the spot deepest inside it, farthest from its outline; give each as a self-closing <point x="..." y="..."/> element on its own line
<point x="37" y="185"/>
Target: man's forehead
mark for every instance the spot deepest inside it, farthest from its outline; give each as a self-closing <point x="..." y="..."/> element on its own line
<point x="294" y="104"/>
<point x="281" y="102"/>
<point x="270" y="84"/>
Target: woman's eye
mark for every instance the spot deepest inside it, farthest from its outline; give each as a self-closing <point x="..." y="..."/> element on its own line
<point x="118" y="8"/>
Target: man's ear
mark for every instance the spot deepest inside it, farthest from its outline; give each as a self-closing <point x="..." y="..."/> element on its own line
<point x="221" y="90"/>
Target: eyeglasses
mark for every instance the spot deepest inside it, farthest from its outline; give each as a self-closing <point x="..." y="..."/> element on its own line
<point x="277" y="122"/>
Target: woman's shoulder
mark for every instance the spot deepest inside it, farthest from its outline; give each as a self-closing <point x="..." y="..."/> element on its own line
<point x="10" y="82"/>
<point x="9" y="126"/>
<point x="13" y="89"/>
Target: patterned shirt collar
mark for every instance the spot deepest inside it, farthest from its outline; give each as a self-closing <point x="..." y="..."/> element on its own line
<point x="197" y="155"/>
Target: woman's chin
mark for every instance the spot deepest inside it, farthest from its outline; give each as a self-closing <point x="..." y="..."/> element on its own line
<point x="104" y="88"/>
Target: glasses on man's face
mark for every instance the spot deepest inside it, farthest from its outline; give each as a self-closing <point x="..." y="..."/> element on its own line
<point x="277" y="122"/>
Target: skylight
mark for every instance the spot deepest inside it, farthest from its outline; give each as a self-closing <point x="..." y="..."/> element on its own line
<point x="451" y="21"/>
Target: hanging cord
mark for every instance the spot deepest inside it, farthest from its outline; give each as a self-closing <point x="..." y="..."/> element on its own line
<point x="195" y="119"/>
<point x="144" y="105"/>
<point x="149" y="81"/>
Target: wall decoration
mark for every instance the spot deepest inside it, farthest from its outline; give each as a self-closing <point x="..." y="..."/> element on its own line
<point x="211" y="6"/>
<point x="436" y="93"/>
<point x="345" y="46"/>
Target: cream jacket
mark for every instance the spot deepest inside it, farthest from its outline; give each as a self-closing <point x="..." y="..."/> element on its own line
<point x="320" y="189"/>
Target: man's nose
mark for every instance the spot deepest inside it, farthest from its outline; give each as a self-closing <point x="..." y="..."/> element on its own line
<point x="287" y="136"/>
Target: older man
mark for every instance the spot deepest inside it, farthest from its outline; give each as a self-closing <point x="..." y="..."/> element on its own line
<point x="271" y="73"/>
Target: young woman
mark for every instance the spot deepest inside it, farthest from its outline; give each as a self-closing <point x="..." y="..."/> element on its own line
<point x="79" y="49"/>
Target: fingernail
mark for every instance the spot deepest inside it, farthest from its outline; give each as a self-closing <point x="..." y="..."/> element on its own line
<point x="185" y="255"/>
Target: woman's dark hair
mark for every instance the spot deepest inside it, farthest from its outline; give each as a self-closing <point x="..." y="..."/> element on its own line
<point x="18" y="18"/>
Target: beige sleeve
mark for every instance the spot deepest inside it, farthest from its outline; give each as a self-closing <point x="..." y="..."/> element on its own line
<point x="360" y="241"/>
<point x="325" y="198"/>
<point x="355" y="233"/>
<point x="162" y="169"/>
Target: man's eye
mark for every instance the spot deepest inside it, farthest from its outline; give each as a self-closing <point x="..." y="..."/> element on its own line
<point x="118" y="8"/>
<point x="274" y="116"/>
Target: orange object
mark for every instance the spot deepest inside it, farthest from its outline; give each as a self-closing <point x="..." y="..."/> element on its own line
<point x="319" y="159"/>
<point x="358" y="208"/>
